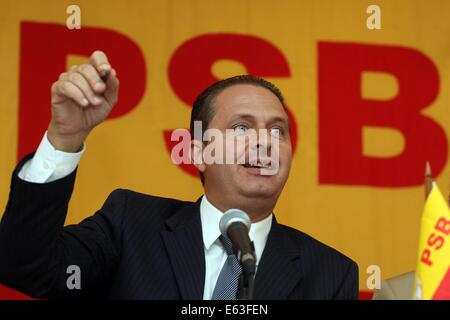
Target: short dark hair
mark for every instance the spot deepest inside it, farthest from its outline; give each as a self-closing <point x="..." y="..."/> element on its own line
<point x="203" y="108"/>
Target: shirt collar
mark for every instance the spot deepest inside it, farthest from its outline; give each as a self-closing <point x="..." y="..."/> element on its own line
<point x="210" y="218"/>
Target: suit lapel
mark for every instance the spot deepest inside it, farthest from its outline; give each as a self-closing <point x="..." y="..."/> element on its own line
<point x="278" y="271"/>
<point x="184" y="243"/>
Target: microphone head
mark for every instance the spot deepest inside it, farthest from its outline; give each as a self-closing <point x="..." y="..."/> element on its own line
<point x="233" y="215"/>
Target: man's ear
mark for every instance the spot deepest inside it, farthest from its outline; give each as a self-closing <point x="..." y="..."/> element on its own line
<point x="196" y="155"/>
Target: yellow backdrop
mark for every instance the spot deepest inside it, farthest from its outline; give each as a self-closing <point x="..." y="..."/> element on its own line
<point x="375" y="225"/>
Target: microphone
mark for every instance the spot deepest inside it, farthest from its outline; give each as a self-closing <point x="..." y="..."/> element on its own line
<point x="235" y="225"/>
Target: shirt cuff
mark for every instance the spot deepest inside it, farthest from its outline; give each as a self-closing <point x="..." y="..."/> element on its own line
<point x="49" y="164"/>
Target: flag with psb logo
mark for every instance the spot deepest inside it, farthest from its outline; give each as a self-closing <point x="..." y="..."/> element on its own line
<point x="433" y="264"/>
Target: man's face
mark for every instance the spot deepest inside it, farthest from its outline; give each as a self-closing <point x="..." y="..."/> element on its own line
<point x="242" y="109"/>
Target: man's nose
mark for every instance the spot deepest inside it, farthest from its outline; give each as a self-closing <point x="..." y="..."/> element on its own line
<point x="262" y="140"/>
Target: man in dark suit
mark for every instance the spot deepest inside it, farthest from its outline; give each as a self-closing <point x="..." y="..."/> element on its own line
<point x="143" y="247"/>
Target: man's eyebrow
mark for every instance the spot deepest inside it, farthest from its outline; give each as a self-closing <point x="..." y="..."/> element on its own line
<point x="279" y="119"/>
<point x="249" y="117"/>
<point x="244" y="116"/>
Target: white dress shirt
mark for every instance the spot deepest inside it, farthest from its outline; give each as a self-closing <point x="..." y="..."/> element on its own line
<point x="49" y="164"/>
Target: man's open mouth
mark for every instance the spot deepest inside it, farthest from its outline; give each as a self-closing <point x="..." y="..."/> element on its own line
<point x="257" y="165"/>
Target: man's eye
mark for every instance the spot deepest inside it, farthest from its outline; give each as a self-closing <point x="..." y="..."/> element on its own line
<point x="241" y="128"/>
<point x="276" y="132"/>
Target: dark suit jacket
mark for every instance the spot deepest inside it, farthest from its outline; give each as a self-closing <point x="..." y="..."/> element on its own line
<point x="143" y="247"/>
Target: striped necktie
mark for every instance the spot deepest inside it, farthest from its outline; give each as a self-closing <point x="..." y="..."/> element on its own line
<point x="227" y="283"/>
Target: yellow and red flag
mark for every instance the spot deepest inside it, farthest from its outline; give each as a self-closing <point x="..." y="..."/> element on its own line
<point x="433" y="263"/>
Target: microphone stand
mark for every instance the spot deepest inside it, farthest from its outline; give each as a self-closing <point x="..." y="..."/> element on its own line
<point x="247" y="277"/>
<point x="246" y="286"/>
